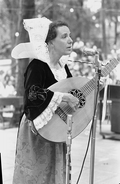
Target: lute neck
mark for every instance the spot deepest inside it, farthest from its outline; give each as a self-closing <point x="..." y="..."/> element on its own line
<point x="90" y="85"/>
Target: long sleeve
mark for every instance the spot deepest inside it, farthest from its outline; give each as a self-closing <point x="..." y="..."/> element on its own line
<point x="38" y="78"/>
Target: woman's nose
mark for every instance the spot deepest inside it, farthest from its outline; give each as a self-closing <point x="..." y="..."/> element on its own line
<point x="70" y="40"/>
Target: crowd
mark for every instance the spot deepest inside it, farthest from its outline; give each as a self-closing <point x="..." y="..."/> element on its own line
<point x="7" y="85"/>
<point x="79" y="64"/>
<point x="84" y="65"/>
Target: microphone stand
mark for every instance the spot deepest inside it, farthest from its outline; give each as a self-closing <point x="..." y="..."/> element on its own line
<point x="94" y="120"/>
<point x="1" y="178"/>
<point x="68" y="154"/>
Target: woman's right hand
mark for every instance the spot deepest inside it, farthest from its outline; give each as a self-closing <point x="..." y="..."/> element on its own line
<point x="71" y="100"/>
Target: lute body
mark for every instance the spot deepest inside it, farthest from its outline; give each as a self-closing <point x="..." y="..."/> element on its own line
<point x="83" y="88"/>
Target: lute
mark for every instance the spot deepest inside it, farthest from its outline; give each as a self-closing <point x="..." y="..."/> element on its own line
<point x="83" y="88"/>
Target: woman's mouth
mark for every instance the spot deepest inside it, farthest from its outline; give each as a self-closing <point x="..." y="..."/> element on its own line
<point x="70" y="47"/>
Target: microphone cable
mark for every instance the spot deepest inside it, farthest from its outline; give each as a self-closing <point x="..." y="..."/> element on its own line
<point x="85" y="154"/>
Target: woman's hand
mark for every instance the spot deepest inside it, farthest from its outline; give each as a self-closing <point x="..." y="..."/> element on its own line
<point x="71" y="100"/>
<point x="103" y="81"/>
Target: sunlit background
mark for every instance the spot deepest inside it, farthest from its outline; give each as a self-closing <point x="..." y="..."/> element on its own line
<point x="94" y="25"/>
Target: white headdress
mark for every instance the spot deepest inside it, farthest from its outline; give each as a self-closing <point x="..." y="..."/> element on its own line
<point x="37" y="48"/>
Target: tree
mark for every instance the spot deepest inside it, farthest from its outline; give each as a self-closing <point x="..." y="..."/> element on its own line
<point x="27" y="9"/>
<point x="79" y="19"/>
<point x="6" y="16"/>
<point x="111" y="13"/>
<point x="17" y="11"/>
<point x="104" y="45"/>
<point x="72" y="11"/>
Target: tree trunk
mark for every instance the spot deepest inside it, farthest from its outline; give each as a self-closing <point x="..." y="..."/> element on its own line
<point x="104" y="43"/>
<point x="116" y="34"/>
<point x="27" y="11"/>
<point x="116" y="23"/>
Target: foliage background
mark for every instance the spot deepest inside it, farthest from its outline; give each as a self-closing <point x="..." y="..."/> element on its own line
<point x="101" y="27"/>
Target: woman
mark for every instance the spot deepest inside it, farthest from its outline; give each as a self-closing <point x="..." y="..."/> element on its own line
<point x="39" y="161"/>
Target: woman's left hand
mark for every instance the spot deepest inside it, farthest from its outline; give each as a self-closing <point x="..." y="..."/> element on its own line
<point x="103" y="81"/>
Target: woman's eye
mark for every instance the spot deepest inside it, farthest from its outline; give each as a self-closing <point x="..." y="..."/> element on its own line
<point x="70" y="35"/>
<point x="64" y="36"/>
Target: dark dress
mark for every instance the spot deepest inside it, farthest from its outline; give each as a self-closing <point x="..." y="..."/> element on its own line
<point x="38" y="161"/>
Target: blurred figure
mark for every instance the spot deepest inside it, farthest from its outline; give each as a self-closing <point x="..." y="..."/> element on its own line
<point x="78" y="44"/>
<point x="9" y="89"/>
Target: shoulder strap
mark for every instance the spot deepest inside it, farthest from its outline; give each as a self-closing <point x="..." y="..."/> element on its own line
<point x="68" y="71"/>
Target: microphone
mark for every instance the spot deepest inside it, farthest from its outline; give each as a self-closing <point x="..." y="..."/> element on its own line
<point x="89" y="52"/>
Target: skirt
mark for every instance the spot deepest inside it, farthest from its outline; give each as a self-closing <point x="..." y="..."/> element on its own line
<point x="37" y="160"/>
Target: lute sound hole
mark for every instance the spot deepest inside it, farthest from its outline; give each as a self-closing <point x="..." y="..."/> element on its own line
<point x="77" y="93"/>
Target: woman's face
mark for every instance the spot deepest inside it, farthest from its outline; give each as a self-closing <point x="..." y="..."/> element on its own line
<point x="63" y="43"/>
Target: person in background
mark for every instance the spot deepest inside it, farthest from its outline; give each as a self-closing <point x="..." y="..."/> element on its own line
<point x="78" y="44"/>
<point x="40" y="161"/>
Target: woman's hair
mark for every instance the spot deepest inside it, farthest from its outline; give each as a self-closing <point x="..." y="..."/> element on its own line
<point x="52" y="32"/>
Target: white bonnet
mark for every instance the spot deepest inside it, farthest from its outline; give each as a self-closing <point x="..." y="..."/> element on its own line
<point x="37" y="28"/>
<point x="37" y="48"/>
